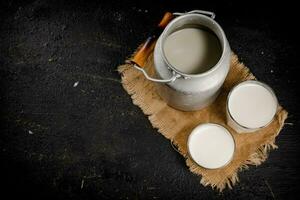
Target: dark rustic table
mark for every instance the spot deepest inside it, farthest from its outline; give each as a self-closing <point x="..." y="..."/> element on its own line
<point x="69" y="130"/>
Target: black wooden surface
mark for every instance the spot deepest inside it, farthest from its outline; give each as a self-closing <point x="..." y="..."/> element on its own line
<point x="60" y="141"/>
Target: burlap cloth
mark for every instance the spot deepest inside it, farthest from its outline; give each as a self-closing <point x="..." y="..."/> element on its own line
<point x="175" y="125"/>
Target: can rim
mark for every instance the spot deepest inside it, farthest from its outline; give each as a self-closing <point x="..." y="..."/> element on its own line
<point x="222" y="40"/>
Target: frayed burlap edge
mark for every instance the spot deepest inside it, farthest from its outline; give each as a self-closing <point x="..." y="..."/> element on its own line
<point x="256" y="158"/>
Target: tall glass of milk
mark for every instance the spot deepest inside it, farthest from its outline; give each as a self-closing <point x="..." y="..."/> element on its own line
<point x="251" y="105"/>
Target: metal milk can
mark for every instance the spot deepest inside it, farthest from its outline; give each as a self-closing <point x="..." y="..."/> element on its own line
<point x="190" y="92"/>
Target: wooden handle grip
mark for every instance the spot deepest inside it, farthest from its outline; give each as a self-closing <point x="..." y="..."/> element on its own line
<point x="143" y="53"/>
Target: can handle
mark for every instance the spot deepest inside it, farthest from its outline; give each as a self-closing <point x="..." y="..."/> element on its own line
<point x="139" y="59"/>
<point x="211" y="14"/>
<point x="172" y="79"/>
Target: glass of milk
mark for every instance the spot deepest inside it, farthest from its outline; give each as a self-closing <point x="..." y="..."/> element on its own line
<point x="251" y="105"/>
<point x="211" y="146"/>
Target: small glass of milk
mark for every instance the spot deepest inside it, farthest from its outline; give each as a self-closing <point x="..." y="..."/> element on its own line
<point x="251" y="105"/>
<point x="211" y="146"/>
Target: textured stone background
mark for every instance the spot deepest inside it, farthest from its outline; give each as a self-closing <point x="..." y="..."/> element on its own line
<point x="69" y="130"/>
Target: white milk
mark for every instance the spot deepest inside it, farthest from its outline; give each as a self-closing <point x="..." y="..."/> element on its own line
<point x="192" y="50"/>
<point x="252" y="104"/>
<point x="211" y="146"/>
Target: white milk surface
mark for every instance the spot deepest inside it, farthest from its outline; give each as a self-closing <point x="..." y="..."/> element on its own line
<point x="211" y="146"/>
<point x="192" y="50"/>
<point x="252" y="105"/>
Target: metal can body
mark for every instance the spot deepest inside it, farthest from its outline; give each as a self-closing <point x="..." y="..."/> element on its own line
<point x="191" y="92"/>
